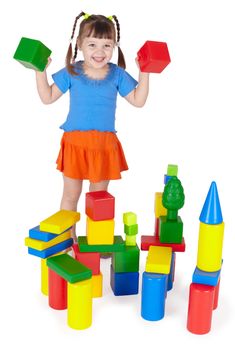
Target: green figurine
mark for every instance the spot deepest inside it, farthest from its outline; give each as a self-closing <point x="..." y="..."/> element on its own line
<point x="173" y="197"/>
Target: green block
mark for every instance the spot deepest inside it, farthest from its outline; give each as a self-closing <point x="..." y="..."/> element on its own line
<point x="118" y="246"/>
<point x="172" y="170"/>
<point x="126" y="261"/>
<point x="32" y="54"/>
<point x="131" y="230"/>
<point x="170" y="231"/>
<point x="129" y="218"/>
<point x="68" y="268"/>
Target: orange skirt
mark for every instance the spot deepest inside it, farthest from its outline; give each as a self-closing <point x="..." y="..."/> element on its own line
<point x="92" y="155"/>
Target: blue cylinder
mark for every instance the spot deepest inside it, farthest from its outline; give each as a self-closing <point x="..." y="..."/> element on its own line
<point x="154" y="287"/>
<point x="172" y="273"/>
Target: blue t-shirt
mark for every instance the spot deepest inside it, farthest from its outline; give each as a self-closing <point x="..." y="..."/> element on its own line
<point x="93" y="102"/>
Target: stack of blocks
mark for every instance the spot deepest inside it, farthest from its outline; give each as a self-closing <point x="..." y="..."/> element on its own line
<point x="204" y="289"/>
<point x="168" y="238"/>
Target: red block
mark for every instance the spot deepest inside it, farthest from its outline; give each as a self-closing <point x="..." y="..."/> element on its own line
<point x="200" y="308"/>
<point x="156" y="227"/>
<point x="90" y="260"/>
<point x="147" y="241"/>
<point x="57" y="288"/>
<point x="153" y="57"/>
<point x="216" y="296"/>
<point x="100" y="205"/>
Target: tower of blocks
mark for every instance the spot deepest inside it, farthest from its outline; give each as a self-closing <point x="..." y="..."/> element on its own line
<point x="168" y="238"/>
<point x="204" y="289"/>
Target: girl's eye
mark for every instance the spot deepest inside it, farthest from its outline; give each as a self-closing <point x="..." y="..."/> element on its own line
<point x="107" y="46"/>
<point x="91" y="45"/>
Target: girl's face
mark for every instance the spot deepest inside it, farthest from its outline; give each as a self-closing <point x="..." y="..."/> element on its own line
<point x="97" y="52"/>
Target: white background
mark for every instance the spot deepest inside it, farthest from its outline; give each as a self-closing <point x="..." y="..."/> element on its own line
<point x="187" y="120"/>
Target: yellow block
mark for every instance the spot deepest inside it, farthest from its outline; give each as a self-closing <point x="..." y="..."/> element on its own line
<point x="100" y="232"/>
<point x="159" y="260"/>
<point x="80" y="304"/>
<point x="97" y="285"/>
<point x="40" y="245"/>
<point x="44" y="277"/>
<point x="158" y="207"/>
<point x="210" y="246"/>
<point x="130" y="240"/>
<point x="60" y="221"/>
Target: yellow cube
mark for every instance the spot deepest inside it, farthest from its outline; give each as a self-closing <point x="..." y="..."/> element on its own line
<point x="159" y="260"/>
<point x="97" y="285"/>
<point x="158" y="207"/>
<point x="100" y="232"/>
<point x="60" y="221"/>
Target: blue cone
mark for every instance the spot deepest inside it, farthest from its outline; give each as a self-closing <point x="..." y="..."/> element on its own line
<point x="211" y="212"/>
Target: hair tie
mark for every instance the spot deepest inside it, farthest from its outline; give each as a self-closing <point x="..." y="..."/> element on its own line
<point x="86" y="16"/>
<point x="110" y="18"/>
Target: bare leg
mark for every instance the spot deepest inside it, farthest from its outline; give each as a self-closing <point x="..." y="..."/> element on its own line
<point x="71" y="194"/>
<point x="99" y="186"/>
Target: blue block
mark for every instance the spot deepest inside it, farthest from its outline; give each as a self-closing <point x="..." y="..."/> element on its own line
<point x="170" y="279"/>
<point x="154" y="287"/>
<point x="124" y="283"/>
<point x="211" y="213"/>
<point x="204" y="277"/>
<point x="166" y="178"/>
<point x="52" y="250"/>
<point x="36" y="233"/>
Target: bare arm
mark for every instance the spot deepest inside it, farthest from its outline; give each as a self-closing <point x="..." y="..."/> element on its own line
<point x="47" y="93"/>
<point x="138" y="96"/>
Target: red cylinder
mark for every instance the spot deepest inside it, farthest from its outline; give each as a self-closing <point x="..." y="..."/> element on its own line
<point x="216" y="296"/>
<point x="201" y="302"/>
<point x="57" y="287"/>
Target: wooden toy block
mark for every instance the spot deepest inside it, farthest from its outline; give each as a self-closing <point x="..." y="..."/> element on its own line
<point x="216" y="296"/>
<point x="32" y="54"/>
<point x="159" y="260"/>
<point x="126" y="283"/>
<point x="210" y="246"/>
<point x="166" y="178"/>
<point x="153" y="296"/>
<point x="60" y="221"/>
<point x="97" y="286"/>
<point x="131" y="241"/>
<point x="90" y="260"/>
<point x="171" y="275"/>
<point x="170" y="231"/>
<point x="52" y="250"/>
<point x="100" y="232"/>
<point x="117" y="246"/>
<point x="131" y="230"/>
<point x="147" y="241"/>
<point x="156" y="227"/>
<point x="126" y="261"/>
<point x="44" y="277"/>
<point x="200" y="308"/>
<point x="172" y="170"/>
<point x="129" y="218"/>
<point x="79" y="314"/>
<point x="204" y="277"/>
<point x="57" y="287"/>
<point x="40" y="245"/>
<point x="68" y="268"/>
<point x="100" y="205"/>
<point x="153" y="57"/>
<point x="36" y="233"/>
<point x="158" y="206"/>
<point x="211" y="213"/>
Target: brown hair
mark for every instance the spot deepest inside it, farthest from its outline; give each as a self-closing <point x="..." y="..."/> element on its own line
<point x="97" y="26"/>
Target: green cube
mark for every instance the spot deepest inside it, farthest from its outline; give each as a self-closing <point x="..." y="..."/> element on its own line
<point x="131" y="230"/>
<point x="32" y="54"/>
<point x="126" y="261"/>
<point x="170" y="231"/>
<point x="172" y="170"/>
<point x="129" y="218"/>
<point x="119" y="245"/>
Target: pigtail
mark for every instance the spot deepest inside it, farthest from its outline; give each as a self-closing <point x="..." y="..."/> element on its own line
<point x="70" y="58"/>
<point x="121" y="59"/>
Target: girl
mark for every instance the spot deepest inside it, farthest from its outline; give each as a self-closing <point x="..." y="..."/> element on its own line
<point x="90" y="148"/>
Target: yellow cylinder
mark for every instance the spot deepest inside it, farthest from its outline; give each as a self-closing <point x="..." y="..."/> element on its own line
<point x="210" y="246"/>
<point x="44" y="277"/>
<point x="97" y="284"/>
<point x="80" y="304"/>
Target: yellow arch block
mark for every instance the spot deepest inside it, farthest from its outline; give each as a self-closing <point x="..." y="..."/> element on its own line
<point x="159" y="260"/>
<point x="158" y="207"/>
<point x="97" y="286"/>
<point x="100" y="232"/>
<point x="210" y="246"/>
<point x="80" y="304"/>
<point x="40" y="245"/>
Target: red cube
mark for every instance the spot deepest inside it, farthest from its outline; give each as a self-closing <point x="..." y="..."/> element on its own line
<point x="100" y="205"/>
<point x="90" y="260"/>
<point x="153" y="57"/>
